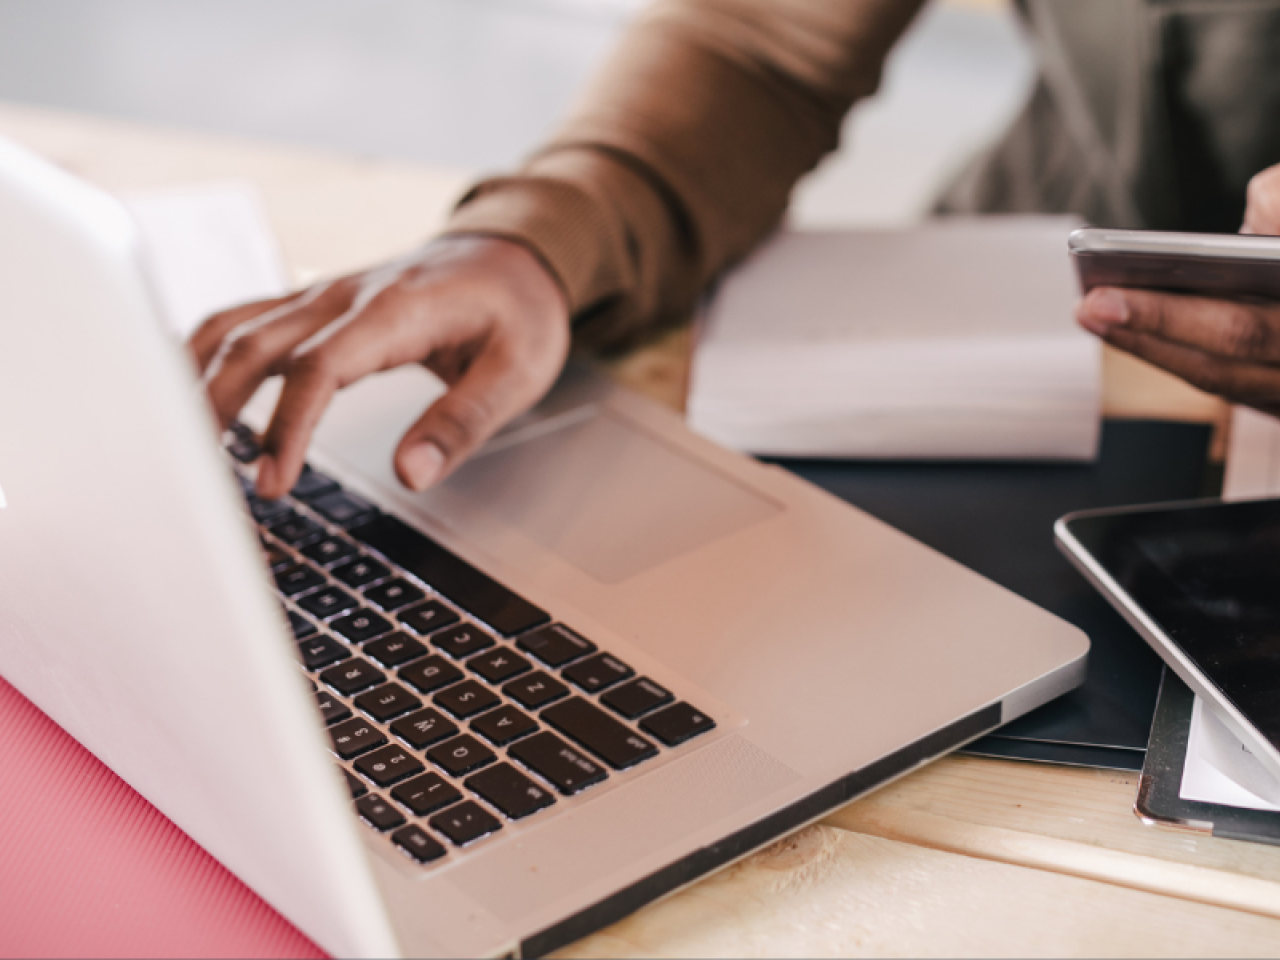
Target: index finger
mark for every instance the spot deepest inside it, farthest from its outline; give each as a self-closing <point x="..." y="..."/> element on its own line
<point x="361" y="341"/>
<point x="204" y="343"/>
<point x="1222" y="328"/>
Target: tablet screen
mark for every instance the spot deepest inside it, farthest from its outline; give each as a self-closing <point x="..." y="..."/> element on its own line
<point x="1209" y="576"/>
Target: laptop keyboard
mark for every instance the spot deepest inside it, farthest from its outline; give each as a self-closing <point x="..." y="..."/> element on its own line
<point x="454" y="706"/>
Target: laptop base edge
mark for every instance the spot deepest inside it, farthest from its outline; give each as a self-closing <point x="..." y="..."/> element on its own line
<point x="789" y="819"/>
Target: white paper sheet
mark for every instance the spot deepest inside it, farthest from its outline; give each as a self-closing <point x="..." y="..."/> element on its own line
<point x="1253" y="456"/>
<point x="1220" y="769"/>
<point x="208" y="247"/>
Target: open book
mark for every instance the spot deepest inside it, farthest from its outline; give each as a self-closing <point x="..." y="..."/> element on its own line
<point x="953" y="340"/>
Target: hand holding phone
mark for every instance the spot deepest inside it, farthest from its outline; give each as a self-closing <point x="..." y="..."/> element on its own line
<point x="1205" y="307"/>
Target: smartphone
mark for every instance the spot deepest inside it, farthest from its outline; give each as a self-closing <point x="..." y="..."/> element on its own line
<point x="1224" y="266"/>
<point x="1200" y="582"/>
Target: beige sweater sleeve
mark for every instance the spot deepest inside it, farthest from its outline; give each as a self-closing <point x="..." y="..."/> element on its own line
<point x="684" y="151"/>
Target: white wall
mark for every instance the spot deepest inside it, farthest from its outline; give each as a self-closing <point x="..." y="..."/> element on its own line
<point x="477" y="83"/>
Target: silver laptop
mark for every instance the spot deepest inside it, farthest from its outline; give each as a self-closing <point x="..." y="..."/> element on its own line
<point x="604" y="659"/>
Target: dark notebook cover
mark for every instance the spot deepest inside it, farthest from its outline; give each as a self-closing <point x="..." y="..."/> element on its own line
<point x="997" y="518"/>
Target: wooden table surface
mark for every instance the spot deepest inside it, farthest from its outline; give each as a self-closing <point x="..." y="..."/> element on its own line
<point x="965" y="857"/>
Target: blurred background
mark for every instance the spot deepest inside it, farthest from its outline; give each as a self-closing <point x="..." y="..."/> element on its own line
<point x="477" y="84"/>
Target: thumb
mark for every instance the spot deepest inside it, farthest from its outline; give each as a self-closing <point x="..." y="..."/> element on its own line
<point x="493" y="391"/>
<point x="1262" y="216"/>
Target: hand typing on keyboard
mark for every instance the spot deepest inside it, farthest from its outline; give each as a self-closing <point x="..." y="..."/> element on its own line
<point x="481" y="313"/>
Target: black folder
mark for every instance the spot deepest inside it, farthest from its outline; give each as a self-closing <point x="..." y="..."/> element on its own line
<point x="997" y="518"/>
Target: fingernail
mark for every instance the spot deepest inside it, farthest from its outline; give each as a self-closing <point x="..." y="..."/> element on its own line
<point x="422" y="465"/>
<point x="1107" y="308"/>
<point x="266" y="472"/>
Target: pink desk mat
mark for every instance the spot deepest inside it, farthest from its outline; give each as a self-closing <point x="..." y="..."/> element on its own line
<point x="89" y="868"/>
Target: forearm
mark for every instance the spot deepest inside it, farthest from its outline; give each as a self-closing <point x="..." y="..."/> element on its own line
<point x="684" y="152"/>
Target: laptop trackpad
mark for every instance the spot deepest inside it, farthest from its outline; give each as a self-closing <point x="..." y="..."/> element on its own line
<point x="605" y="495"/>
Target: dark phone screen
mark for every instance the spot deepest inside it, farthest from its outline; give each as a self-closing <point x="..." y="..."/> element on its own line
<point x="1209" y="576"/>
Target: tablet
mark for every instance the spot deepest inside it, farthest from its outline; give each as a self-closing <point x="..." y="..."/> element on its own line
<point x="1200" y="582"/>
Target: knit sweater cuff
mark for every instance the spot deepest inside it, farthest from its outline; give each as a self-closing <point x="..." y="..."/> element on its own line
<point x="557" y="220"/>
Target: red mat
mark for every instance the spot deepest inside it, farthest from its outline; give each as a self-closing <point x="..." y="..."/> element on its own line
<point x="90" y="868"/>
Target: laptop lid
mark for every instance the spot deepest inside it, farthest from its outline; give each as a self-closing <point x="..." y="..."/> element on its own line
<point x="135" y="612"/>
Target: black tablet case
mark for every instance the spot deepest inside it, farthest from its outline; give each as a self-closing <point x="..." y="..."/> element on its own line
<point x="1161" y="782"/>
<point x="997" y="518"/>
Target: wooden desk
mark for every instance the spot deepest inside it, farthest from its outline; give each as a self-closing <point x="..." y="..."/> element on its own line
<point x="966" y="857"/>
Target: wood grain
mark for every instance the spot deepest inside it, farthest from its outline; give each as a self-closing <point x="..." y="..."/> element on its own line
<point x="832" y="893"/>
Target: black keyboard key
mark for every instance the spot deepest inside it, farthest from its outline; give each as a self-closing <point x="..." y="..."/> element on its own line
<point x="360" y="626"/>
<point x="297" y="579"/>
<point x="430" y="674"/>
<point x="355" y="737"/>
<point x="510" y="791"/>
<point x="677" y="723"/>
<point x="499" y="665"/>
<point x="568" y="769"/>
<point x="614" y="742"/>
<point x="393" y="595"/>
<point x="426" y="794"/>
<point x="462" y="641"/>
<point x="266" y="511"/>
<point x="343" y="508"/>
<point x="378" y="813"/>
<point x="312" y="484"/>
<point x="300" y="625"/>
<point x="503" y="725"/>
<point x="326" y="603"/>
<point x="320" y="652"/>
<point x="353" y="676"/>
<point x="460" y="755"/>
<point x="389" y="765"/>
<point x="420" y="730"/>
<point x="535" y="690"/>
<point x="329" y="551"/>
<point x="466" y="699"/>
<point x="418" y="844"/>
<point x="354" y="784"/>
<point x="598" y="673"/>
<point x="243" y="445"/>
<point x="295" y="529"/>
<point x="277" y="557"/>
<point x="427" y="617"/>
<point x="357" y="573"/>
<point x="396" y="649"/>
<point x="332" y="710"/>
<point x="636" y="698"/>
<point x="466" y="823"/>
<point x="476" y="592"/>
<point x="555" y="645"/>
<point x="388" y="702"/>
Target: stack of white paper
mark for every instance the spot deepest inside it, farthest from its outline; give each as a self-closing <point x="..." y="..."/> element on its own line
<point x="951" y="340"/>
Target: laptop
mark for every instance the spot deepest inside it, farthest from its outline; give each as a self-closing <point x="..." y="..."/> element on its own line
<point x="604" y="659"/>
